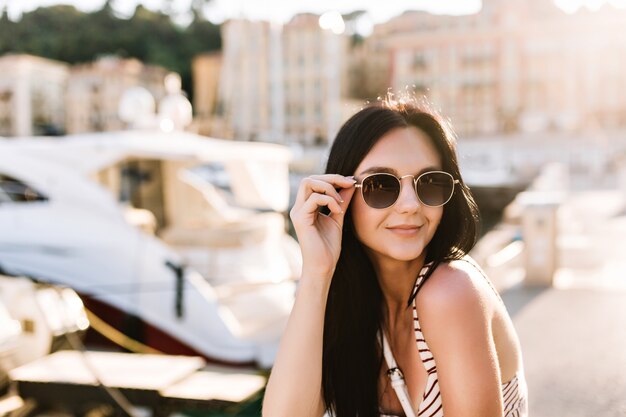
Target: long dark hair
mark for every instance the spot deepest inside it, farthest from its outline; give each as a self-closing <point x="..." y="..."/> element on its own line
<point x="351" y="357"/>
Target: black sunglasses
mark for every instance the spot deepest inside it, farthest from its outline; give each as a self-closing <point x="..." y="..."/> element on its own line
<point x="381" y="190"/>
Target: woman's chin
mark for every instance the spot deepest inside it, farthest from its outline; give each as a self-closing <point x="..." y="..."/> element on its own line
<point x="400" y="255"/>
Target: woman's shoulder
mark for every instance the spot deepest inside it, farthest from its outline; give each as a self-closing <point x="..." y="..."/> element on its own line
<point x="453" y="305"/>
<point x="454" y="277"/>
<point x="457" y="285"/>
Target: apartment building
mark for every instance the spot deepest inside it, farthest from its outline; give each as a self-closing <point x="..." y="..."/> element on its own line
<point x="205" y="70"/>
<point x="282" y="83"/>
<point x="94" y="91"/>
<point x="315" y="63"/>
<point x="514" y="66"/>
<point x="245" y="85"/>
<point x="32" y="91"/>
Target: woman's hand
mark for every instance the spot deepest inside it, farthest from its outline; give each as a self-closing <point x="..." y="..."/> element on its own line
<point x="319" y="235"/>
<point x="295" y="385"/>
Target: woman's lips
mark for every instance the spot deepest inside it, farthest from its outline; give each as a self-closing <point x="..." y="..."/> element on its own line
<point x="404" y="230"/>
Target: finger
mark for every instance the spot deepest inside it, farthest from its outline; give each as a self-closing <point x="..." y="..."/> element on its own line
<point x="315" y="201"/>
<point x="335" y="222"/>
<point x="338" y="182"/>
<point x="318" y="186"/>
<point x="335" y="179"/>
<point x="347" y="194"/>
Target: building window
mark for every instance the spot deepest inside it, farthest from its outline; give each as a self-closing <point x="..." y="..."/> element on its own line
<point x="6" y="124"/>
<point x="419" y="62"/>
<point x="318" y="112"/>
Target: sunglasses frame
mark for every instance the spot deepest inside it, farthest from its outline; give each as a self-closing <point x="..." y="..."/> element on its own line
<point x="415" y="181"/>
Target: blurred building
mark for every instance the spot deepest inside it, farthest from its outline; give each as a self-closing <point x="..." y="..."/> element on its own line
<point x="244" y="97"/>
<point x="94" y="91"/>
<point x="32" y="91"/>
<point x="282" y="84"/>
<point x="574" y="71"/>
<point x="514" y="66"/>
<point x="206" y="75"/>
<point x="369" y="71"/>
<point x="315" y="63"/>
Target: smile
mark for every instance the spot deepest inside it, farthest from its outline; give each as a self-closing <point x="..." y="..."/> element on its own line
<point x="404" y="230"/>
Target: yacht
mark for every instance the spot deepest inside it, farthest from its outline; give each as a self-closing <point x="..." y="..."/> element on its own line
<point x="175" y="239"/>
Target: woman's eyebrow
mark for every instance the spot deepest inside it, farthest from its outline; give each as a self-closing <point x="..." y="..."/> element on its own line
<point x="388" y="170"/>
<point x="372" y="170"/>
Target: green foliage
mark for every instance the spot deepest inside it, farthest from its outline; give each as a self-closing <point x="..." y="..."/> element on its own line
<point x="67" y="34"/>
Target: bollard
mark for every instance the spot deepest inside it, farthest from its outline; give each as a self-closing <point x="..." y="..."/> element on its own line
<point x="539" y="230"/>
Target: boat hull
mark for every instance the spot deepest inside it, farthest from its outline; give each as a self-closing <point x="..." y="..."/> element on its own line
<point x="135" y="329"/>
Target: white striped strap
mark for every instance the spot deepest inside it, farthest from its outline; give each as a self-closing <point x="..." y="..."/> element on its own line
<point x="397" y="379"/>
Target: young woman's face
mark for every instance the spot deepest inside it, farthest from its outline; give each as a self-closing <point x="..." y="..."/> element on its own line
<point x="402" y="231"/>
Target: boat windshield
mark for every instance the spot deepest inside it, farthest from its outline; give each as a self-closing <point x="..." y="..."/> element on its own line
<point x="14" y="190"/>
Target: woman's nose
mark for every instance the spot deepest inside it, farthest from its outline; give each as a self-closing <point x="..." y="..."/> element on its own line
<point x="407" y="200"/>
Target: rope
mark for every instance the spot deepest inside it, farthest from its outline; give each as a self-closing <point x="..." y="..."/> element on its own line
<point x="117" y="337"/>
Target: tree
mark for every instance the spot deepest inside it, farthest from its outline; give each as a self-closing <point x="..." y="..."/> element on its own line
<point x="7" y="27"/>
<point x="67" y="34"/>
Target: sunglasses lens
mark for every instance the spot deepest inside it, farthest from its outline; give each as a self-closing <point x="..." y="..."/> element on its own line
<point x="380" y="190"/>
<point x="435" y="188"/>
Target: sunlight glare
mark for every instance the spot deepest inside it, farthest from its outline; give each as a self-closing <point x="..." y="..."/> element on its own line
<point x="594" y="4"/>
<point x="332" y="20"/>
<point x="572" y="6"/>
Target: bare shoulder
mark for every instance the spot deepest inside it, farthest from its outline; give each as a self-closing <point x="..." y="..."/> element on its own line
<point x="452" y="281"/>
<point x="455" y="312"/>
<point x="455" y="289"/>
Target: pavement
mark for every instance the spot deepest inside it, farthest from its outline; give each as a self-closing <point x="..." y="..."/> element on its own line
<point x="573" y="332"/>
<point x="574" y="348"/>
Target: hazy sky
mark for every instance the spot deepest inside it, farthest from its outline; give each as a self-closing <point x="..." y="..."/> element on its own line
<point x="282" y="10"/>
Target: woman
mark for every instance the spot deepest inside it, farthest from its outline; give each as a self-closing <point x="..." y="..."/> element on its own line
<point x="386" y="284"/>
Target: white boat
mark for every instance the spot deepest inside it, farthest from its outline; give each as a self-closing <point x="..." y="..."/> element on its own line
<point x="207" y="268"/>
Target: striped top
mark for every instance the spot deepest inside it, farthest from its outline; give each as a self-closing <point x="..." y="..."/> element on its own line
<point x="514" y="392"/>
